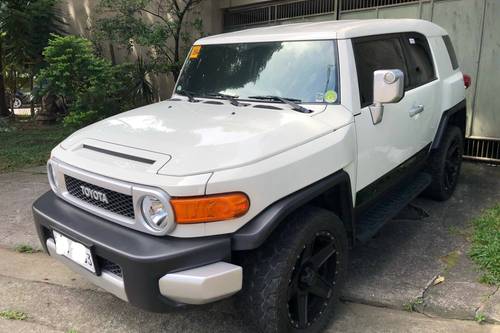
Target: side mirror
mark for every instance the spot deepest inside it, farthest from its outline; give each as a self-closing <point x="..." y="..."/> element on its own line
<point x="388" y="87"/>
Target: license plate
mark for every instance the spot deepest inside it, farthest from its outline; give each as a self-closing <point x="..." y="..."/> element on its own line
<point x="74" y="251"/>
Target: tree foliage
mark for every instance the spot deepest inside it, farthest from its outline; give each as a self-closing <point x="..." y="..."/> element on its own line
<point x="83" y="79"/>
<point x="91" y="86"/>
<point x="25" y="28"/>
<point x="161" y="26"/>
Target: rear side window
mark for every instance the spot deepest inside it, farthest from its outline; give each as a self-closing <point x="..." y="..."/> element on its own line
<point x="420" y="64"/>
<point x="451" y="51"/>
<point x="384" y="52"/>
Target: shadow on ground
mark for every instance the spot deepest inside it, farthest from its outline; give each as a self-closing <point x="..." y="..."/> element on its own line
<point x="395" y="268"/>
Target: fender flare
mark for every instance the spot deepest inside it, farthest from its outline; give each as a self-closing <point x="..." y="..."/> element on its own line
<point x="257" y="230"/>
<point x="443" y="123"/>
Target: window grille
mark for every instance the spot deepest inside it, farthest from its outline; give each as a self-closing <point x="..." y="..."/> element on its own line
<point x="482" y="149"/>
<point x="346" y="5"/>
<point x="272" y="12"/>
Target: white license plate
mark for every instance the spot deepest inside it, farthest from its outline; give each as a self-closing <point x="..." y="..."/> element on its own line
<point x="75" y="251"/>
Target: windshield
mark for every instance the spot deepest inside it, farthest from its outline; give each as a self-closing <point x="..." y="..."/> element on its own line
<point x="305" y="71"/>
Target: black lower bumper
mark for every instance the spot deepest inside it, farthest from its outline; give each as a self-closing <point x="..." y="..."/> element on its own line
<point x="143" y="259"/>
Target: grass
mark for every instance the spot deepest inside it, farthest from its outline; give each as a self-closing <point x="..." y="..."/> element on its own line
<point x="485" y="250"/>
<point x="27" y="144"/>
<point x="480" y="318"/>
<point x="22" y="248"/>
<point x="13" y="315"/>
<point x="412" y="305"/>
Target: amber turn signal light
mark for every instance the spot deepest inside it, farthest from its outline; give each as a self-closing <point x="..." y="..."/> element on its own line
<point x="210" y="208"/>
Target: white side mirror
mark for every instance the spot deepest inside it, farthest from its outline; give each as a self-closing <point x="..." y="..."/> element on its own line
<point x="388" y="87"/>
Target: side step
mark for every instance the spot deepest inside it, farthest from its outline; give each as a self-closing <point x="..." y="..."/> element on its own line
<point x="371" y="221"/>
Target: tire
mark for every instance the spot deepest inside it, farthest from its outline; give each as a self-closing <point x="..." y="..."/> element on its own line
<point x="17" y="103"/>
<point x="444" y="165"/>
<point x="281" y="272"/>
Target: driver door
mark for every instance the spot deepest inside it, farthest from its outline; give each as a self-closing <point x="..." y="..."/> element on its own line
<point x="382" y="147"/>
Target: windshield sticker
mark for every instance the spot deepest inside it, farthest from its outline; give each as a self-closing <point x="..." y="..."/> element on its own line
<point x="319" y="97"/>
<point x="330" y="96"/>
<point x="195" y="52"/>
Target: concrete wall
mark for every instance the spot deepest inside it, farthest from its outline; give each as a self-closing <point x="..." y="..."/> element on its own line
<point x="78" y="15"/>
<point x="474" y="28"/>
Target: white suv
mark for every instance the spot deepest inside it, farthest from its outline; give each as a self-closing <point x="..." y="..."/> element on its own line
<point x="281" y="148"/>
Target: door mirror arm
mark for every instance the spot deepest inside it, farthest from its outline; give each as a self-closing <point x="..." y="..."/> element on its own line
<point x="388" y="87"/>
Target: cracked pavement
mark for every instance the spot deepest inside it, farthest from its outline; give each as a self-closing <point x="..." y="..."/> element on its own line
<point x="394" y="269"/>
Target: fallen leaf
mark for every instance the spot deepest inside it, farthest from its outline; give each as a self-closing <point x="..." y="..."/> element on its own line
<point x="438" y="280"/>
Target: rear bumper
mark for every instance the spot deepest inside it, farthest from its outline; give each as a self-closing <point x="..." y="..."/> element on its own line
<point x="153" y="273"/>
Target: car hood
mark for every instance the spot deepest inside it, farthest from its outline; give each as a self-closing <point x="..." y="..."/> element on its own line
<point x="201" y="137"/>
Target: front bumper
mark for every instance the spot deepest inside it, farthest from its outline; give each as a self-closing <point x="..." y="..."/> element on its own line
<point x="153" y="273"/>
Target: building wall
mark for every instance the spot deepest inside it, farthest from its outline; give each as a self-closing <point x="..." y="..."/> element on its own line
<point x="79" y="14"/>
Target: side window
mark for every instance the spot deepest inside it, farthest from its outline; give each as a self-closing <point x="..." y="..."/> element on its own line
<point x="451" y="51"/>
<point x="374" y="53"/>
<point x="420" y="63"/>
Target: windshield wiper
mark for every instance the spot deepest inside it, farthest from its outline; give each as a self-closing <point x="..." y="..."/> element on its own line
<point x="290" y="101"/>
<point x="230" y="98"/>
<point x="188" y="94"/>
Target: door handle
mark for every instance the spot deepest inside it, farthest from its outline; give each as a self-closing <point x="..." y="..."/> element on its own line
<point x="416" y="110"/>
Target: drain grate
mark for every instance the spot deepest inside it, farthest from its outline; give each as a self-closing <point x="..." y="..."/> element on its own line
<point x="482" y="149"/>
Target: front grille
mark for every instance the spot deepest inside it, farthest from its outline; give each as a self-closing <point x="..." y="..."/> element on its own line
<point x="110" y="267"/>
<point x="118" y="203"/>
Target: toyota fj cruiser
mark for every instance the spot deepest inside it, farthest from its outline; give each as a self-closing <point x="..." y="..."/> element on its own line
<point x="280" y="149"/>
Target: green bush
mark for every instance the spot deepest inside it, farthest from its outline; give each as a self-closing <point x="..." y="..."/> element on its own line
<point x="92" y="87"/>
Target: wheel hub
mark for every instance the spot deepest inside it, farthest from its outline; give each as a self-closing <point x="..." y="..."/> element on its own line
<point x="308" y="276"/>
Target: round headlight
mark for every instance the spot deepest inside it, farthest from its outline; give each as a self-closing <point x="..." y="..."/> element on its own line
<point x="155" y="213"/>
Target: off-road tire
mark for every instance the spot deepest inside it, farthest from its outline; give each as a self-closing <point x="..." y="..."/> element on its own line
<point x="444" y="165"/>
<point x="269" y="271"/>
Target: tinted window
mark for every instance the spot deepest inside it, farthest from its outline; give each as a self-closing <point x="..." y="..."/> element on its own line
<point x="374" y="54"/>
<point x="451" y="51"/>
<point x="304" y="70"/>
<point x="420" y="63"/>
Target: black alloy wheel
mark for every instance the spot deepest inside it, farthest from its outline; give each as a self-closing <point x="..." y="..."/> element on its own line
<point x="444" y="165"/>
<point x="452" y="165"/>
<point x="312" y="280"/>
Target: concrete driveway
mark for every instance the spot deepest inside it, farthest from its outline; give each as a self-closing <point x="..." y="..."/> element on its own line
<point x="392" y="272"/>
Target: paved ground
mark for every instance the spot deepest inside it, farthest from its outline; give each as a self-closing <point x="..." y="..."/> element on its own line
<point x="393" y="270"/>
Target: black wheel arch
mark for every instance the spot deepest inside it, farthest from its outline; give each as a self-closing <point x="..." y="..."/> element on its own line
<point x="332" y="193"/>
<point x="455" y="116"/>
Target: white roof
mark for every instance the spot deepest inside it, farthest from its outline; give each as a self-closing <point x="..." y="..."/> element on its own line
<point x="325" y="30"/>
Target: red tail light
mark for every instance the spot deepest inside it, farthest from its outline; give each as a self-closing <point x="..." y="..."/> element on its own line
<point x="467" y="81"/>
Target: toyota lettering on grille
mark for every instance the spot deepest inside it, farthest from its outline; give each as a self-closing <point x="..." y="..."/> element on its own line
<point x="93" y="194"/>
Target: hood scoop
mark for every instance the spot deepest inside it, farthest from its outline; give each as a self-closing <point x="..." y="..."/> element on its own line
<point x="115" y="156"/>
<point x="118" y="154"/>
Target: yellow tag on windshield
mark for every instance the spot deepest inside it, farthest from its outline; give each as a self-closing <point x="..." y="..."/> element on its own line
<point x="195" y="52"/>
<point x="330" y="96"/>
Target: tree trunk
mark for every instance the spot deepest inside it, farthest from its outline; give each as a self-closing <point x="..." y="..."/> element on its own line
<point x="176" y="70"/>
<point x="32" y="102"/>
<point x="4" y="110"/>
